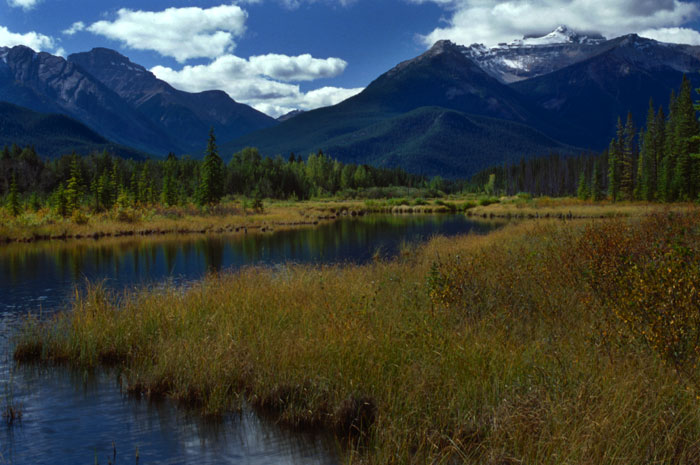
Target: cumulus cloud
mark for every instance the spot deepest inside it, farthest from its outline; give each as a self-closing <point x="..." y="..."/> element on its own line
<point x="494" y="21"/>
<point x="246" y="81"/>
<point x="34" y="40"/>
<point x="75" y="27"/>
<point x="296" y="68"/>
<point x="674" y="35"/>
<point x="181" y="33"/>
<point x="24" y="4"/>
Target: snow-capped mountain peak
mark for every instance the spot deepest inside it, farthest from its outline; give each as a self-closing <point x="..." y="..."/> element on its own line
<point x="561" y="35"/>
<point x="535" y="55"/>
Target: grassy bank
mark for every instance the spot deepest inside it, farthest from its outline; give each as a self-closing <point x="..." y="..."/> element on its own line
<point x="569" y="207"/>
<point x="545" y="342"/>
<point x="232" y="216"/>
<point x="228" y="217"/>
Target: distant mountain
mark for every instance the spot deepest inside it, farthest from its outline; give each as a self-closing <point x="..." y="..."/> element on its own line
<point x="50" y="84"/>
<point x="53" y="135"/>
<point x="122" y="101"/>
<point x="443" y="76"/>
<point x="185" y="117"/>
<point x="449" y="111"/>
<point x="426" y="113"/>
<point x="593" y="93"/>
<point x="537" y="56"/>
<point x="435" y="140"/>
<point x="289" y="115"/>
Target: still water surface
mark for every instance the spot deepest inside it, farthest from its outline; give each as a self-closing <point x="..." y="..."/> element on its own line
<point x="74" y="417"/>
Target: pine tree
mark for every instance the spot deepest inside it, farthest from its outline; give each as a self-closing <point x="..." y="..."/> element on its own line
<point x="596" y="194"/>
<point x="13" y="199"/>
<point x="211" y="187"/>
<point x="627" y="157"/>
<point x="647" y="168"/>
<point x="613" y="171"/>
<point x="686" y="128"/>
<point x="582" y="192"/>
<point x="73" y="191"/>
<point x="640" y="187"/>
<point x="144" y="190"/>
<point x="60" y="201"/>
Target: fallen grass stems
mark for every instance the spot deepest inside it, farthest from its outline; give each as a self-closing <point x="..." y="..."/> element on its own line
<point x="515" y="347"/>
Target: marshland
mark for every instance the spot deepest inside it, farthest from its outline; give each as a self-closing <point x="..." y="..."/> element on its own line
<point x="80" y="411"/>
<point x="541" y="341"/>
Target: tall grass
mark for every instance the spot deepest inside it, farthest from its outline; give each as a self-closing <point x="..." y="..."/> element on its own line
<point x="506" y="348"/>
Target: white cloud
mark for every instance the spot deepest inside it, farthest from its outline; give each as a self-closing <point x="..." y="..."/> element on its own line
<point x="245" y="81"/>
<point x="34" y="40"/>
<point x="181" y="33"/>
<point x="493" y="21"/>
<point x="297" y="68"/>
<point x="24" y="4"/>
<point x="75" y="27"/>
<point x="674" y="35"/>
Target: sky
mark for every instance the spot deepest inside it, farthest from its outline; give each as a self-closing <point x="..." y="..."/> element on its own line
<point x="282" y="55"/>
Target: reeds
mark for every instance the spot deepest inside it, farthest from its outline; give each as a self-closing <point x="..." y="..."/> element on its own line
<point x="494" y="349"/>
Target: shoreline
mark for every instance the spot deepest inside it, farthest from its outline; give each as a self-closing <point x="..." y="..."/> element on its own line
<point x="283" y="216"/>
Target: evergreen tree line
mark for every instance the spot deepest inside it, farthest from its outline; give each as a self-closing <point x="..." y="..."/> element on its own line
<point x="660" y="162"/>
<point x="102" y="181"/>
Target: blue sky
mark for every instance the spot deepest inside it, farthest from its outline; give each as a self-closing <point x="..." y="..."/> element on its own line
<point x="279" y="55"/>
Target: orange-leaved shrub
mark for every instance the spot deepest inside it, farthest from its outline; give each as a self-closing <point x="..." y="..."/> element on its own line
<point x="648" y="276"/>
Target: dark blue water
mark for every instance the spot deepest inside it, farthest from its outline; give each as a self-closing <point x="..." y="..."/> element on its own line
<point x="74" y="417"/>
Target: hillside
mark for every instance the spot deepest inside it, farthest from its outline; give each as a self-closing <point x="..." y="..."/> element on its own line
<point x="53" y="135"/>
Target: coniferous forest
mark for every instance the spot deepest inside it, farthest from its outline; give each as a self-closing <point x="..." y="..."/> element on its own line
<point x="102" y="181"/>
<point x="658" y="162"/>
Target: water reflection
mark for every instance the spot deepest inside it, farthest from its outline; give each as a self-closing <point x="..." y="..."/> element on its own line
<point x="73" y="417"/>
<point x="50" y="270"/>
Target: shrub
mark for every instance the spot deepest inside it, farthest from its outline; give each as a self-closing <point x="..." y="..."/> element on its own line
<point x="484" y="202"/>
<point x="79" y="217"/>
<point x="126" y="215"/>
<point x="649" y="278"/>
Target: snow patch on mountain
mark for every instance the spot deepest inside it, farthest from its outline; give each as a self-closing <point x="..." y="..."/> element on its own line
<point x="534" y="55"/>
<point x="561" y="35"/>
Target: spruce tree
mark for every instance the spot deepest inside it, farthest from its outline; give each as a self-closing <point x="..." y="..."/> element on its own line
<point x="211" y="187"/>
<point x="668" y="163"/>
<point x="582" y="190"/>
<point x="686" y="127"/>
<point x="595" y="184"/>
<point x="60" y="201"/>
<point x="659" y="142"/>
<point x="73" y="191"/>
<point x="13" y="199"/>
<point x="627" y="157"/>
<point x="640" y="187"/>
<point x="613" y="171"/>
<point x="647" y="166"/>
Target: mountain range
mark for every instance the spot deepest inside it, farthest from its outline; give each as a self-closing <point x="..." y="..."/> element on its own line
<point x="53" y="135"/>
<point x="122" y="101"/>
<point x="453" y="110"/>
<point x="567" y="89"/>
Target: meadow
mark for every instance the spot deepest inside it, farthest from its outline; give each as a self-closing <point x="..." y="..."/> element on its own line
<point x="545" y="342"/>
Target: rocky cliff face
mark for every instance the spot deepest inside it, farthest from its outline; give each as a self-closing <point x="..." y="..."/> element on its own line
<point x="123" y="101"/>
<point x="186" y="117"/>
<point x="46" y="83"/>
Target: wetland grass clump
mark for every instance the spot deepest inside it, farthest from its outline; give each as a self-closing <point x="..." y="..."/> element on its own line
<point x="505" y="348"/>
